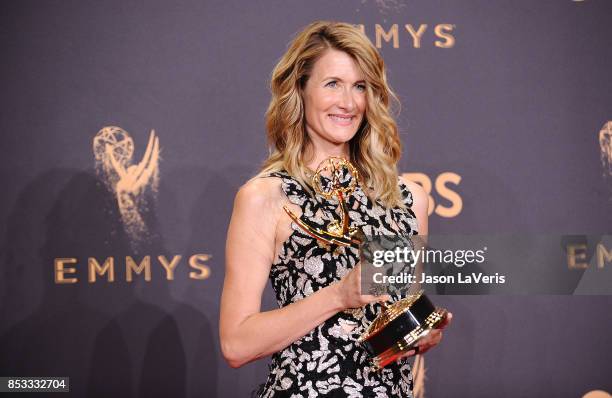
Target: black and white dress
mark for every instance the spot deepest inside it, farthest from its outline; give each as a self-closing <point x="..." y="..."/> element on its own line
<point x="328" y="361"/>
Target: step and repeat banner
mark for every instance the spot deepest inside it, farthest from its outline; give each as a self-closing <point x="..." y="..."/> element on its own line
<point x="128" y="127"/>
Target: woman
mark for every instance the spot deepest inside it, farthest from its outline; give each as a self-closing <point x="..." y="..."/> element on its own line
<point x="329" y="98"/>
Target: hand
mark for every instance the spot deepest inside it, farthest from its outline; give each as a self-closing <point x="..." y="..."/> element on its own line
<point x="348" y="291"/>
<point x="432" y="339"/>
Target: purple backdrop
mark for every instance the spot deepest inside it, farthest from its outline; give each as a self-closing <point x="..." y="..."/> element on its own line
<point x="511" y="99"/>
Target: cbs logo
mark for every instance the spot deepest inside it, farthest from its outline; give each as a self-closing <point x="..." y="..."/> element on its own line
<point x="442" y="184"/>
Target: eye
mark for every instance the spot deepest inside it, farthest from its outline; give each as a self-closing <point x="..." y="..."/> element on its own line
<point x="361" y="87"/>
<point x="332" y="84"/>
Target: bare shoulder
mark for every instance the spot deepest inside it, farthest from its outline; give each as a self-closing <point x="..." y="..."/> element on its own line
<point x="260" y="194"/>
<point x="254" y="219"/>
<point x="419" y="196"/>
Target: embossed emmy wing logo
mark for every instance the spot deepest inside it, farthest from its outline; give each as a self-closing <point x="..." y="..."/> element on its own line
<point x="605" y="145"/>
<point x="113" y="150"/>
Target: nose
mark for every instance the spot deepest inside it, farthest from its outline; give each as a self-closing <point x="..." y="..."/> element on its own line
<point x="347" y="102"/>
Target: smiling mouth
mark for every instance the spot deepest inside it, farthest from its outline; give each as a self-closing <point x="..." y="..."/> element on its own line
<point x="341" y="118"/>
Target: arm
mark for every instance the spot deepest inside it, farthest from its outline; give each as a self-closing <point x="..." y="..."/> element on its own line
<point x="420" y="207"/>
<point x="420" y="204"/>
<point x="247" y="333"/>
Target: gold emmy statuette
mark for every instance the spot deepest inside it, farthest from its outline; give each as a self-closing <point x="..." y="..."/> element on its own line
<point x="400" y="325"/>
<point x="338" y="232"/>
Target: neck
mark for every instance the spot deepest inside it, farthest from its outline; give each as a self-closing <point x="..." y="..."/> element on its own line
<point x="318" y="152"/>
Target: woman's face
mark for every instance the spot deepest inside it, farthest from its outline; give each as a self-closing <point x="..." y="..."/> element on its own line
<point x="334" y="99"/>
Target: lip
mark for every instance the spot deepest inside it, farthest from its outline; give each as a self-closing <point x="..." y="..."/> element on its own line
<point x="347" y="122"/>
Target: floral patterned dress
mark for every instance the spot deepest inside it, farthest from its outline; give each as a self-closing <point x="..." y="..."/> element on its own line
<point x="328" y="361"/>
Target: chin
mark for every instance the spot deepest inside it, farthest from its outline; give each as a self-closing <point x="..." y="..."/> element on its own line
<point x="341" y="139"/>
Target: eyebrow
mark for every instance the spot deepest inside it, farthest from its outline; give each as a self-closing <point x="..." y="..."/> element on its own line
<point x="337" y="78"/>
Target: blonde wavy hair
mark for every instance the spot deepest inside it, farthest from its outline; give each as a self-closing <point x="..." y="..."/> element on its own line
<point x="374" y="150"/>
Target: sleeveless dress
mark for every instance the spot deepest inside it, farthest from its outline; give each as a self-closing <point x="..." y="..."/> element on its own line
<point x="328" y="361"/>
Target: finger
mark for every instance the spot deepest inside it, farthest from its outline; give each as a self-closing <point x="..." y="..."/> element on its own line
<point x="357" y="274"/>
<point x="427" y="339"/>
<point x="431" y="340"/>
<point x="435" y="338"/>
<point x="410" y="353"/>
<point x="370" y="298"/>
<point x="447" y="320"/>
<point x="384" y="297"/>
<point x="116" y="165"/>
<point x="147" y="156"/>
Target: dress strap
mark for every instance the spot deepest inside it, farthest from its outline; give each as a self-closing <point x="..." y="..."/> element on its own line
<point x="406" y="194"/>
<point x="296" y="193"/>
<point x="406" y="217"/>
